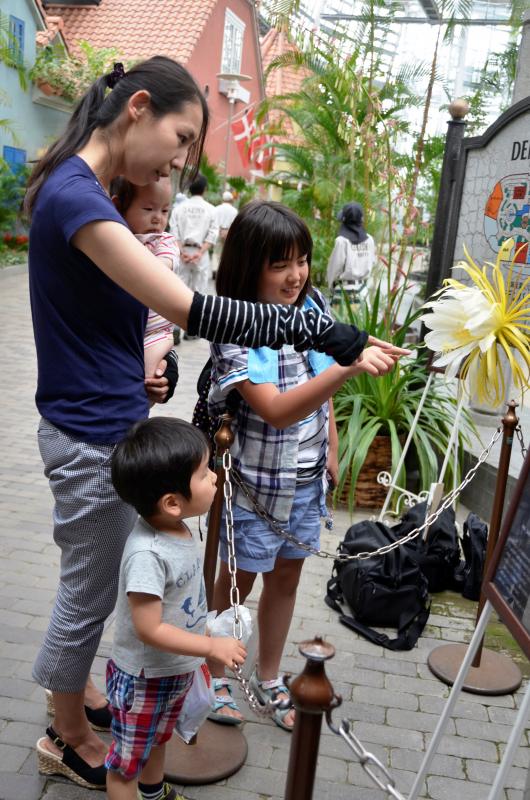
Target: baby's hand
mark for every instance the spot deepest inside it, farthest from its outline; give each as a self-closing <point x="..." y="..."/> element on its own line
<point x="375" y="361"/>
<point x="228" y="651"/>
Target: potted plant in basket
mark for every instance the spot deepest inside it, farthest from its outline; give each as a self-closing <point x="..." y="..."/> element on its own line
<point x="374" y="416"/>
<point x="56" y="72"/>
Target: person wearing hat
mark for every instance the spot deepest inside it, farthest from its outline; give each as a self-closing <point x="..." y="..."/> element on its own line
<point x="225" y="214"/>
<point x="353" y="255"/>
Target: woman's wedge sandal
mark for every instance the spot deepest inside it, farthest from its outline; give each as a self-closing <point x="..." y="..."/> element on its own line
<point x="269" y="690"/>
<point x="100" y="719"/>
<point x="69" y="764"/>
<point x="222" y="701"/>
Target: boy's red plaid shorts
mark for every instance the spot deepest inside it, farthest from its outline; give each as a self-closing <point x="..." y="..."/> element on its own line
<point x="144" y="712"/>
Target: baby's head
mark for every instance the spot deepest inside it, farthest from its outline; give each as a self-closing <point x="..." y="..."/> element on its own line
<point x="161" y="469"/>
<point x="144" y="208"/>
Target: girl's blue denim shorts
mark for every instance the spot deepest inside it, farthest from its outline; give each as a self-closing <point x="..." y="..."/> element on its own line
<point x="257" y="546"/>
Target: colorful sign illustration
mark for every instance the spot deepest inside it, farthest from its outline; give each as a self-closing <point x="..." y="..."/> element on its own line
<point x="507" y="215"/>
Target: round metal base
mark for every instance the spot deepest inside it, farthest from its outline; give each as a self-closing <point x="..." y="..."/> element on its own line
<point x="496" y="674"/>
<point x="220" y="750"/>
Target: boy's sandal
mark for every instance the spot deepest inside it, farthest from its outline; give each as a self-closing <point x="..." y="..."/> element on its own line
<point x="100" y="719"/>
<point x="169" y="794"/>
<point x="70" y="764"/>
<point x="269" y="690"/>
<point x="223" y="701"/>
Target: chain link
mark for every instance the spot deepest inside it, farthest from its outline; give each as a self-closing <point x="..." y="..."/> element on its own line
<point x="373" y="767"/>
<point x="271" y="706"/>
<point x="519" y="434"/>
<point x="446" y="503"/>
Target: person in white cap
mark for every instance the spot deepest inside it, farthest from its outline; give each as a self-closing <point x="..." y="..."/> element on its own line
<point x="225" y="214"/>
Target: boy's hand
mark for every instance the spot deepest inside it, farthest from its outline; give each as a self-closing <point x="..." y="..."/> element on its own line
<point x="227" y="650"/>
<point x="375" y="361"/>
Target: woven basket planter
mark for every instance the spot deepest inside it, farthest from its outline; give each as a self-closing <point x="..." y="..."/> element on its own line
<point x="369" y="493"/>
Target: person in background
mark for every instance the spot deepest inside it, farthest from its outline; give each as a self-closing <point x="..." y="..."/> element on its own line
<point x="353" y="256"/>
<point x="195" y="227"/>
<point x="225" y="214"/>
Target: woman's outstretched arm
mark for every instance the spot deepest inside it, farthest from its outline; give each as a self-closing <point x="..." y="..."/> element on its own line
<point x="129" y="264"/>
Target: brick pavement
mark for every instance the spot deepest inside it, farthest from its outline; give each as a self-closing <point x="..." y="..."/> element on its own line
<point x="392" y="697"/>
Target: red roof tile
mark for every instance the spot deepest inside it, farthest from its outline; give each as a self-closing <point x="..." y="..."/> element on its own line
<point x="138" y="29"/>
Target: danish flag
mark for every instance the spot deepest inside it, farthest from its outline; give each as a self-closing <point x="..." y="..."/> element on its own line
<point x="252" y="148"/>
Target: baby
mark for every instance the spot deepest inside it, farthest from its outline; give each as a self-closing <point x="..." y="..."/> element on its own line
<point x="146" y="210"/>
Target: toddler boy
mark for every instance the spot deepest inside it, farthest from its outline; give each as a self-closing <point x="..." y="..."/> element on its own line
<point x="160" y="468"/>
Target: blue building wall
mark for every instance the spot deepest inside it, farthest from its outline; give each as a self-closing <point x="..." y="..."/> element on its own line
<point x="35" y="119"/>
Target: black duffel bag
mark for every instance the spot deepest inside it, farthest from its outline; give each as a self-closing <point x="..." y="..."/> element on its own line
<point x="388" y="590"/>
<point x="439" y="556"/>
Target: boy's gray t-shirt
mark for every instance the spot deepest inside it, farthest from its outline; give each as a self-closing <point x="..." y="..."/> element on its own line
<point x="169" y="567"/>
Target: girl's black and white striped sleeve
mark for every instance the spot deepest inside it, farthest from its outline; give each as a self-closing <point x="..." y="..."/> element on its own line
<point x="223" y="320"/>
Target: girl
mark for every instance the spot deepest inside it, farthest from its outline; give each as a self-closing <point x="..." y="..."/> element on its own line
<point x="91" y="283"/>
<point x="285" y="435"/>
<point x="145" y="209"/>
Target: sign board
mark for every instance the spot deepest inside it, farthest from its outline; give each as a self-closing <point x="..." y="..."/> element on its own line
<point x="507" y="583"/>
<point x="495" y="190"/>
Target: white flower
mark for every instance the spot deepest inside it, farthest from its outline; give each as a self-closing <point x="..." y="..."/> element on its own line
<point x="460" y="321"/>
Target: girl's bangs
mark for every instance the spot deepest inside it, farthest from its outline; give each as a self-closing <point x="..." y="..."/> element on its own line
<point x="289" y="237"/>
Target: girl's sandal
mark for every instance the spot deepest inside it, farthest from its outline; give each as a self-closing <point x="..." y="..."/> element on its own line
<point x="70" y="764"/>
<point x="222" y="701"/>
<point x="269" y="690"/>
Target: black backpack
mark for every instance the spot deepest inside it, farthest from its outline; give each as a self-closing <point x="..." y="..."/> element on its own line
<point x="474" y="544"/>
<point x="439" y="556"/>
<point x="388" y="590"/>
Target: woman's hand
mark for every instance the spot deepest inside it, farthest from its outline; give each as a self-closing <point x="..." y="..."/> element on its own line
<point x="388" y="347"/>
<point x="157" y="386"/>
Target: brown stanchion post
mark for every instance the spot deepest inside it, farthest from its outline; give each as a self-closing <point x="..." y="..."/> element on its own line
<point x="509" y="424"/>
<point x="312" y="695"/>
<point x="491" y="673"/>
<point x="223" y="440"/>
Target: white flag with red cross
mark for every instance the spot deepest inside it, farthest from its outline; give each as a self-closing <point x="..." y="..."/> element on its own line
<point x="254" y="150"/>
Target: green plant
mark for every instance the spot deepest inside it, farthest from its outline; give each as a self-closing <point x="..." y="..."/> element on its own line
<point x="12" y="188"/>
<point x="71" y="75"/>
<point x="366" y="407"/>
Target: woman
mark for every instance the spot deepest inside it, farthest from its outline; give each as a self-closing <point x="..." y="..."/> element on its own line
<point x="353" y="255"/>
<point x="91" y="283"/>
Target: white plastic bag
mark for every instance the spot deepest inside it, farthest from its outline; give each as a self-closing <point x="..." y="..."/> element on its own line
<point x="223" y="623"/>
<point x="197" y="704"/>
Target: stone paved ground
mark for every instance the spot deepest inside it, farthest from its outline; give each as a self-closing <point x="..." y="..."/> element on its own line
<point x="392" y="697"/>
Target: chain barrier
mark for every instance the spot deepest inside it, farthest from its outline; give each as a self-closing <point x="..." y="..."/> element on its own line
<point x="373" y="767"/>
<point x="519" y="434"/>
<point x="447" y="501"/>
<point x="258" y="708"/>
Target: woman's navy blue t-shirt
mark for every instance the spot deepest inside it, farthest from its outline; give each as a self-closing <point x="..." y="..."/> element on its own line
<point x="88" y="331"/>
